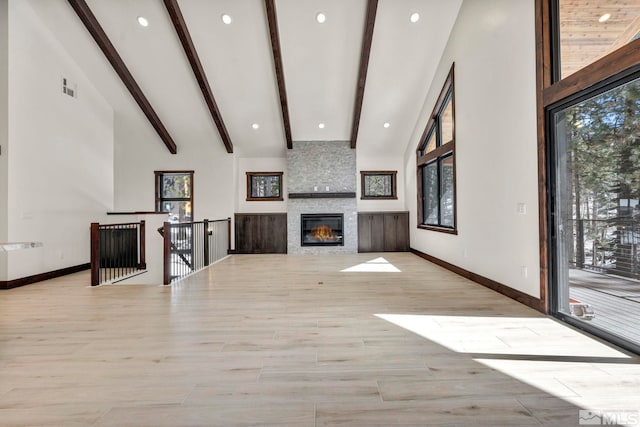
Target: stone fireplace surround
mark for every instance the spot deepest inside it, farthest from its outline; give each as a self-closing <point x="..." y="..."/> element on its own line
<point x="326" y="172"/>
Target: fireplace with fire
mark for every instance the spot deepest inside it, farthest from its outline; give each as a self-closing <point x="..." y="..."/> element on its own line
<point x="322" y="230"/>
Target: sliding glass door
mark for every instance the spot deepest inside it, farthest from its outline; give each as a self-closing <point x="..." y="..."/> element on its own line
<point x="594" y="213"/>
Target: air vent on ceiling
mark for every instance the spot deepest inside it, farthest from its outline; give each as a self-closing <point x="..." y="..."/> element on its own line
<point x="69" y="88"/>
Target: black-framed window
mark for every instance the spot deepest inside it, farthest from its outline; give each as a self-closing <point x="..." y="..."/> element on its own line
<point x="174" y="194"/>
<point x="436" y="165"/>
<point x="264" y="186"/>
<point x="378" y="185"/>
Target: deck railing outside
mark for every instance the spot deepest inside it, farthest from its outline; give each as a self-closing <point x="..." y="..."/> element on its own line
<point x="606" y="246"/>
<point x="117" y="251"/>
<point x="192" y="246"/>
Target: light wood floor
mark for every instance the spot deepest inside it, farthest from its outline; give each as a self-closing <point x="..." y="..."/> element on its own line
<point x="296" y="340"/>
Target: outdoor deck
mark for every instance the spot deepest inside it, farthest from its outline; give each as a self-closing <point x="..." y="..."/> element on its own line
<point x="615" y="300"/>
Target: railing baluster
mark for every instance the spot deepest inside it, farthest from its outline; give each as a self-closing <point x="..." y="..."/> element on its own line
<point x="189" y="247"/>
<point x="205" y="242"/>
<point x="117" y="251"/>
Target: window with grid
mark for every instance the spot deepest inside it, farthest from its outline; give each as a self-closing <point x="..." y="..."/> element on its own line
<point x="436" y="165"/>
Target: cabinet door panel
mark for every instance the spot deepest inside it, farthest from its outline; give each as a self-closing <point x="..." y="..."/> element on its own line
<point x="370" y="232"/>
<point x="277" y="234"/>
<point x="390" y="232"/>
<point x="396" y="232"/>
<point x="364" y="233"/>
<point x="377" y="233"/>
<point x="246" y="230"/>
<point x="402" y="232"/>
<point x="261" y="233"/>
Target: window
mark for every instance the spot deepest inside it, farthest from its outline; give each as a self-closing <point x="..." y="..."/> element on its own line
<point x="174" y="194"/>
<point x="378" y="185"/>
<point x="436" y="165"/>
<point x="264" y="186"/>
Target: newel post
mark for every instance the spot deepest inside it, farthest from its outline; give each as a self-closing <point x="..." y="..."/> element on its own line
<point x="166" y="235"/>
<point x="228" y="235"/>
<point x="95" y="254"/>
<point x="143" y="250"/>
<point x="206" y="242"/>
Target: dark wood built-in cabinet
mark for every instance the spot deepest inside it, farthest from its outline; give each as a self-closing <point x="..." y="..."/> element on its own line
<point x="261" y="233"/>
<point x="383" y="231"/>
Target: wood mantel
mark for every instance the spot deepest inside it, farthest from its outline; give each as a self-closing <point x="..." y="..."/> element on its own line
<point x="323" y="195"/>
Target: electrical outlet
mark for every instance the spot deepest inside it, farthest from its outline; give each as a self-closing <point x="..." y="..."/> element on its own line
<point x="522" y="208"/>
<point x="524" y="271"/>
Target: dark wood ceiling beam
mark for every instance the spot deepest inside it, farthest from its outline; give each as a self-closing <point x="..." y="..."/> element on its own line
<point x="95" y="29"/>
<point x="365" y="52"/>
<point x="198" y="70"/>
<point x="277" y="60"/>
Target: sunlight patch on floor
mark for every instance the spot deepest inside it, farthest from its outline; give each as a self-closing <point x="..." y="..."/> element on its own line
<point x="538" y="351"/>
<point x="378" y="265"/>
<point x="503" y="335"/>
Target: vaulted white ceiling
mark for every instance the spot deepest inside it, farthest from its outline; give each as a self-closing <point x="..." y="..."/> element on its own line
<point x="320" y="67"/>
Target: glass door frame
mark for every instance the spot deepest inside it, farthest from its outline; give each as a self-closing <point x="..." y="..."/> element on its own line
<point x="554" y="304"/>
<point x="550" y="89"/>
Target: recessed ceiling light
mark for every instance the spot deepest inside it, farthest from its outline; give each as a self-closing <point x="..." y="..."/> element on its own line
<point x="604" y="18"/>
<point x="321" y="17"/>
<point x="143" y="21"/>
<point x="386" y="125"/>
<point x="255" y="126"/>
<point x="415" y="17"/>
<point x="321" y="125"/>
<point x="226" y="19"/>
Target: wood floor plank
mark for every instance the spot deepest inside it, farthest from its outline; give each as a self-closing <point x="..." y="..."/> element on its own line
<point x="298" y="340"/>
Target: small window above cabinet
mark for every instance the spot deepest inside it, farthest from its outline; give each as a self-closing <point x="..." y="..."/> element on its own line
<point x="264" y="186"/>
<point x="377" y="185"/>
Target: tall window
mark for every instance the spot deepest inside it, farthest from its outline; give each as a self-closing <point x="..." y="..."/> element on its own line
<point x="378" y="185"/>
<point x="264" y="186"/>
<point x="436" y="165"/>
<point x="174" y="194"/>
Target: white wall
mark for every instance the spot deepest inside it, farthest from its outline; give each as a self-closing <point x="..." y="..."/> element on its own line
<point x="4" y="112"/>
<point x="253" y="164"/>
<point x="139" y="152"/>
<point x="278" y="164"/>
<point x="367" y="162"/>
<point x="60" y="175"/>
<point x="493" y="47"/>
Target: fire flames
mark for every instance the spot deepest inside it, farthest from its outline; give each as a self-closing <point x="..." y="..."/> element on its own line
<point x="323" y="233"/>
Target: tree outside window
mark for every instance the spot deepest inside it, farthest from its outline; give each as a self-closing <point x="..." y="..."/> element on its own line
<point x="264" y="186"/>
<point x="378" y="185"/>
<point x="436" y="165"/>
<point x="174" y="194"/>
